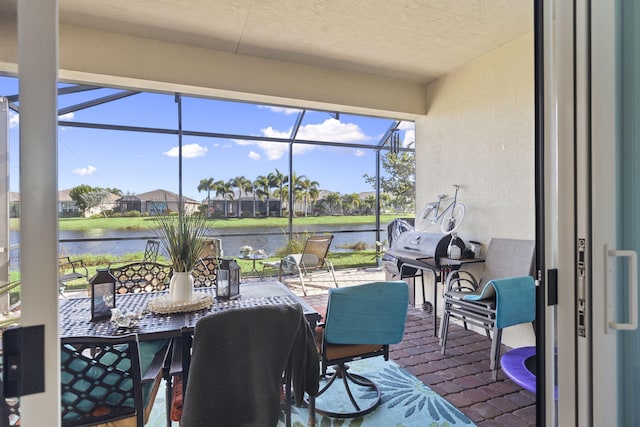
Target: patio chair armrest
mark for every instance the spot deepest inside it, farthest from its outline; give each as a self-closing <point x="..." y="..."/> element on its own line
<point x="157" y="364"/>
<point x="272" y="264"/>
<point x="77" y="267"/>
<point x="461" y="280"/>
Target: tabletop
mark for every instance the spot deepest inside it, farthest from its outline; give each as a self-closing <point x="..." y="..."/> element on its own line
<point x="75" y="313"/>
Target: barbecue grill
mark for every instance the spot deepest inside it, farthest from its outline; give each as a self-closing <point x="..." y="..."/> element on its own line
<point x="415" y="252"/>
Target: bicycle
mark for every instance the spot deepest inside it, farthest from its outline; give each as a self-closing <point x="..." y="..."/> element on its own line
<point x="450" y="218"/>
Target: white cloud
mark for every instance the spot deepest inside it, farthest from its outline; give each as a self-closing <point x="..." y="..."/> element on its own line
<point x="89" y="170"/>
<point x="358" y="152"/>
<point x="189" y="151"/>
<point x="287" y="111"/>
<point x="253" y="155"/>
<point x="273" y="150"/>
<point x="329" y="130"/>
<point x="244" y="142"/>
<point x="333" y="130"/>
<point x="67" y="116"/>
<point x="409" y="136"/>
<point x="14" y="119"/>
<point x="409" y="129"/>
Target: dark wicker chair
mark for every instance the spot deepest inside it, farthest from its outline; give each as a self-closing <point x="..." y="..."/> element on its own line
<point x="141" y="277"/>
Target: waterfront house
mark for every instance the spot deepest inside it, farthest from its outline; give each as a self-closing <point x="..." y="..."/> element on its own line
<point x="155" y="202"/>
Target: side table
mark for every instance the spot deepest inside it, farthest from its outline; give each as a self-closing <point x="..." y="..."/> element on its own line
<point x="253" y="271"/>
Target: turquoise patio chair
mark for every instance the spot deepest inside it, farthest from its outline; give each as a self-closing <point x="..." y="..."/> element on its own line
<point x="361" y="322"/>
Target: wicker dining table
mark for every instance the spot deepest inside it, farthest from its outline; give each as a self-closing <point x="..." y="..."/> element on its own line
<point x="75" y="313"/>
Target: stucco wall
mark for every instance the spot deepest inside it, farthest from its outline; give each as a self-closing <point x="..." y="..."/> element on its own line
<point x="479" y="133"/>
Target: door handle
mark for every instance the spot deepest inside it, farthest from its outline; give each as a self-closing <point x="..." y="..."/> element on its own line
<point x="632" y="285"/>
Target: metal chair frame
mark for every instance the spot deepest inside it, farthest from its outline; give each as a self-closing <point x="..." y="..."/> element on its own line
<point x="505" y="258"/>
<point x="141" y="277"/>
<point x="313" y="258"/>
<point x="385" y="303"/>
<point x="111" y="367"/>
<point x="70" y="270"/>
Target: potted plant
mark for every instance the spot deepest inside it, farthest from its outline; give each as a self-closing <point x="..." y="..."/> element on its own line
<point x="183" y="239"/>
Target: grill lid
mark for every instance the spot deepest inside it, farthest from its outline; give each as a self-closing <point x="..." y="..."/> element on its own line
<point x="416" y="247"/>
<point x="419" y="244"/>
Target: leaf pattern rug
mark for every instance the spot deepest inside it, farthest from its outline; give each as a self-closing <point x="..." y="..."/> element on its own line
<point x="405" y="401"/>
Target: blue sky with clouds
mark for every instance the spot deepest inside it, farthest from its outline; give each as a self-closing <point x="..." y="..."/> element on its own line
<point x="138" y="162"/>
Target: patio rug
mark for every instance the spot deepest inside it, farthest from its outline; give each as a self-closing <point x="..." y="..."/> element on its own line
<point x="406" y="402"/>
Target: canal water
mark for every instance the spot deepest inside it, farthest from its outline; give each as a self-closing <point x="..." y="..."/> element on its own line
<point x="97" y="241"/>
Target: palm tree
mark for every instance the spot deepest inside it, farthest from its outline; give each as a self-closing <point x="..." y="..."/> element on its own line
<point x="333" y="199"/>
<point x="207" y="185"/>
<point x="243" y="185"/>
<point x="351" y="201"/>
<point x="385" y="199"/>
<point x="262" y="190"/>
<point x="297" y="189"/>
<point x="224" y="189"/>
<point x="307" y="185"/>
<point x="314" y="194"/>
<point x="277" y="180"/>
<point x="370" y="204"/>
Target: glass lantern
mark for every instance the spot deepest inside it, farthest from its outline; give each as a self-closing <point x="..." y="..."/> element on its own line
<point x="103" y="294"/>
<point x="228" y="279"/>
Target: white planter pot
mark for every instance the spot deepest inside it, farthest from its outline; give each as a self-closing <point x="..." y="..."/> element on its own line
<point x="181" y="287"/>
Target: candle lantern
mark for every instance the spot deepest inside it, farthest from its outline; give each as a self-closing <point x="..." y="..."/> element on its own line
<point x="228" y="279"/>
<point x="103" y="294"/>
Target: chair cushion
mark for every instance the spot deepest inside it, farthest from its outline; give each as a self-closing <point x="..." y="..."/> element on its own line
<point x="515" y="300"/>
<point x="483" y="292"/>
<point x="148" y="351"/>
<point x="290" y="263"/>
<point x="368" y="313"/>
<point x="334" y="351"/>
<point x="177" y="399"/>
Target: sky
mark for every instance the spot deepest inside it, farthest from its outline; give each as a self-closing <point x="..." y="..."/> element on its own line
<point x="137" y="162"/>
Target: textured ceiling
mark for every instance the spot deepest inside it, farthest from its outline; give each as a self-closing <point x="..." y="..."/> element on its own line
<point x="415" y="40"/>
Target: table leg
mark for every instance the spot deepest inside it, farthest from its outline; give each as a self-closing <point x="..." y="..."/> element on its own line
<point x="253" y="271"/>
<point x="436" y="280"/>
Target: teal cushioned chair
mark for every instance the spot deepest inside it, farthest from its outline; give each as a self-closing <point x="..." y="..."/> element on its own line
<point x="102" y="379"/>
<point x="361" y="322"/>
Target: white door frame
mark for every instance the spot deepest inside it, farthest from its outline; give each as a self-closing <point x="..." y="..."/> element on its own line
<point x="585" y="87"/>
<point x="38" y="71"/>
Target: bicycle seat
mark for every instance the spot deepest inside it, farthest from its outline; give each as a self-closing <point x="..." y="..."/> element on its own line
<point x="441" y="196"/>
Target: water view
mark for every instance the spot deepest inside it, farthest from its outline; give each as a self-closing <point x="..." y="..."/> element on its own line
<point x="120" y="242"/>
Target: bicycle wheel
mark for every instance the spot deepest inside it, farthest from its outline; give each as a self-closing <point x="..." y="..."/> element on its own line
<point x="426" y="217"/>
<point x="453" y="218"/>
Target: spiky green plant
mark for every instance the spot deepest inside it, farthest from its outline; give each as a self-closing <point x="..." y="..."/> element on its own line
<point x="183" y="239"/>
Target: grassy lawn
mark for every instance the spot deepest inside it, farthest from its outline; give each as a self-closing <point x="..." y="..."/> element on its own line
<point x="142" y="223"/>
